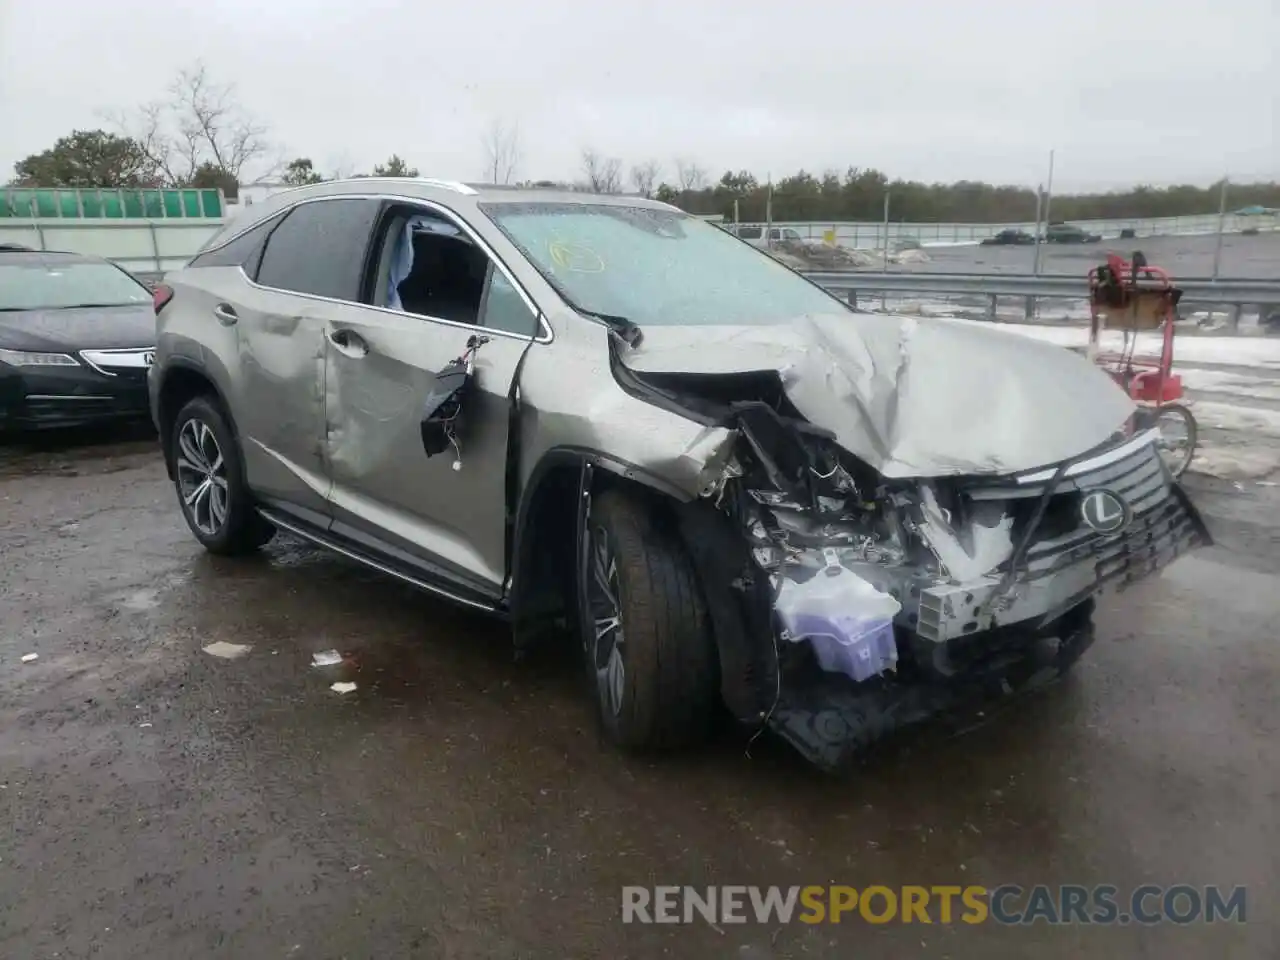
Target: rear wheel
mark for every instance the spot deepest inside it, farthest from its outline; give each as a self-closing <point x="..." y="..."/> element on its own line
<point x="646" y="639"/>
<point x="209" y="477"/>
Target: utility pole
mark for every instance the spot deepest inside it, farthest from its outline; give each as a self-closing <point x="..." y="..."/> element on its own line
<point x="886" y="231"/>
<point x="1222" y="217"/>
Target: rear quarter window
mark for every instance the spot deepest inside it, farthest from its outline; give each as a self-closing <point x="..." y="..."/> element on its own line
<point x="242" y="251"/>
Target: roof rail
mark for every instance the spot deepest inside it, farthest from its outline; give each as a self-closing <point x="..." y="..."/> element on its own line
<point x="457" y="186"/>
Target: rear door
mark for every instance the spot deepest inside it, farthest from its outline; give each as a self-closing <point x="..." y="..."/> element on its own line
<point x="309" y="269"/>
<point x="444" y="514"/>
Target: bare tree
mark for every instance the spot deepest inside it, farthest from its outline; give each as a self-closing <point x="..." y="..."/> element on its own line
<point x="604" y="174"/>
<point x="501" y="144"/>
<point x="645" y="177"/>
<point x="689" y="176"/>
<point x="201" y="125"/>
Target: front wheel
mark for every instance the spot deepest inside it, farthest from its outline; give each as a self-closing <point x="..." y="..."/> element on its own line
<point x="209" y="477"/>
<point x="646" y="638"/>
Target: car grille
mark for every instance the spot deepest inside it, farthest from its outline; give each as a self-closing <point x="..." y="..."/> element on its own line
<point x="1163" y="524"/>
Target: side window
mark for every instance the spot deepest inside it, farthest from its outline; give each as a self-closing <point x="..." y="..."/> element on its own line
<point x="320" y="248"/>
<point x="504" y="308"/>
<point x="244" y="251"/>
<point x="430" y="267"/>
<point x="749" y="233"/>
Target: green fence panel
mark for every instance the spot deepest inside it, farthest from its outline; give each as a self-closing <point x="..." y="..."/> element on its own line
<point x="132" y="203"/>
<point x="93" y="202"/>
<point x="46" y="203"/>
<point x="20" y="201"/>
<point x="211" y="202"/>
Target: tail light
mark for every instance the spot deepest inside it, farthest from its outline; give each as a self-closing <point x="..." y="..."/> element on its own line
<point x="160" y="296"/>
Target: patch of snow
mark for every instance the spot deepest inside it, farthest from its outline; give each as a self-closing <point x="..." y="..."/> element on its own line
<point x="1251" y="420"/>
<point x="1235" y="461"/>
<point x="1262" y="352"/>
<point x="1241" y="384"/>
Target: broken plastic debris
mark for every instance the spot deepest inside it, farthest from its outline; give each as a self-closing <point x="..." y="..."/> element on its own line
<point x="227" y="651"/>
<point x="342" y="687"/>
<point x="326" y="658"/>
<point x="30" y="657"/>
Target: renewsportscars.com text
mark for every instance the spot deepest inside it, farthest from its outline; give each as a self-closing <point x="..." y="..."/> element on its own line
<point x="971" y="904"/>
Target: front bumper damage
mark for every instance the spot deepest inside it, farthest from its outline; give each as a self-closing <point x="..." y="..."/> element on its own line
<point x="993" y="578"/>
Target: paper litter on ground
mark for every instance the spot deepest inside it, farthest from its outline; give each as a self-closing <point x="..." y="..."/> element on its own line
<point x="226" y="651"/>
<point x="342" y="687"/>
<point x="326" y="658"/>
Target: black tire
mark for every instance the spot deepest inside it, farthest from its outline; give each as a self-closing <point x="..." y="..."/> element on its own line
<point x="237" y="528"/>
<point x="668" y="689"/>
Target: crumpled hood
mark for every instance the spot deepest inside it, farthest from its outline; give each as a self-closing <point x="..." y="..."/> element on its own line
<point x="913" y="397"/>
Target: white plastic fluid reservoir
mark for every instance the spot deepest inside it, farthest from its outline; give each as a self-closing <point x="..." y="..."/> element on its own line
<point x="847" y="621"/>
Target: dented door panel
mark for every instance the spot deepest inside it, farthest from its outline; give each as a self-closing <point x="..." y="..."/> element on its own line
<point x="379" y="373"/>
<point x="280" y="412"/>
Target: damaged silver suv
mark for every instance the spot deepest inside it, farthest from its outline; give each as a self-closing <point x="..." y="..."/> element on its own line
<point x="605" y="414"/>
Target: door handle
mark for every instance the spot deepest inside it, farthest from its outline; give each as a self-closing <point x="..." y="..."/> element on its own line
<point x="226" y="314"/>
<point x="349" y="342"/>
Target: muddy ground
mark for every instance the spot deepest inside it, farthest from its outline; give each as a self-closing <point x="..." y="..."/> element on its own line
<point x="159" y="802"/>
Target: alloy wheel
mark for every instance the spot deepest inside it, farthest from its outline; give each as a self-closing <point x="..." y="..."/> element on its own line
<point x="202" y="477"/>
<point x="609" y="654"/>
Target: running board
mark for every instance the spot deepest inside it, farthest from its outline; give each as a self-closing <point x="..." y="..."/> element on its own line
<point x="300" y="531"/>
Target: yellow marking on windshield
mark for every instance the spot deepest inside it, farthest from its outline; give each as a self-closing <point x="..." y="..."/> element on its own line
<point x="575" y="256"/>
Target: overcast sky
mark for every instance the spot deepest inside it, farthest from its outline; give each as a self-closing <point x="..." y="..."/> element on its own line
<point x="1125" y="90"/>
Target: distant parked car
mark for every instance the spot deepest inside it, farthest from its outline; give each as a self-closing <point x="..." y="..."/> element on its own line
<point x="76" y="336"/>
<point x="1009" y="238"/>
<point x="1067" y="233"/>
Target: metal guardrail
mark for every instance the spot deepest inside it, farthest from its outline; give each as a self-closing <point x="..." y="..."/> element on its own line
<point x="1233" y="292"/>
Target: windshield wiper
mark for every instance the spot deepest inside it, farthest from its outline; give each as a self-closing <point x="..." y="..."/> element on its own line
<point x="624" y="328"/>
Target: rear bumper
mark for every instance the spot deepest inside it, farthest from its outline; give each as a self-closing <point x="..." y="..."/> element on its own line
<point x="68" y="397"/>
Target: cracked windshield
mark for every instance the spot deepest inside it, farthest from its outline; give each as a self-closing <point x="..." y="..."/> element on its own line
<point x="487" y="482"/>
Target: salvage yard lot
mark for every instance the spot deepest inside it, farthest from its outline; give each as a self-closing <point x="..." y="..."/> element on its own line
<point x="162" y="802"/>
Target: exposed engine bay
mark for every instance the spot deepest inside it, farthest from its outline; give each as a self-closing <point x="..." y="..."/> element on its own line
<point x="847" y="604"/>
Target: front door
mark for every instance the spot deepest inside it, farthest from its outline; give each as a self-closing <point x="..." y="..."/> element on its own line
<point x="445" y="513"/>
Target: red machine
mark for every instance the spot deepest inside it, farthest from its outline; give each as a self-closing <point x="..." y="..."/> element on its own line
<point x="1132" y="296"/>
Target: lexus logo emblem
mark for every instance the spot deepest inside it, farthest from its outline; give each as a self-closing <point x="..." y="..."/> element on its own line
<point x="1105" y="512"/>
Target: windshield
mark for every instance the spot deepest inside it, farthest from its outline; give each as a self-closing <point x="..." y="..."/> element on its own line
<point x="655" y="266"/>
<point x="46" y="284"/>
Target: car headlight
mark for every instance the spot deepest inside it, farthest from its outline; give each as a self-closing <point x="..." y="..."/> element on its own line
<point x="25" y="358"/>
